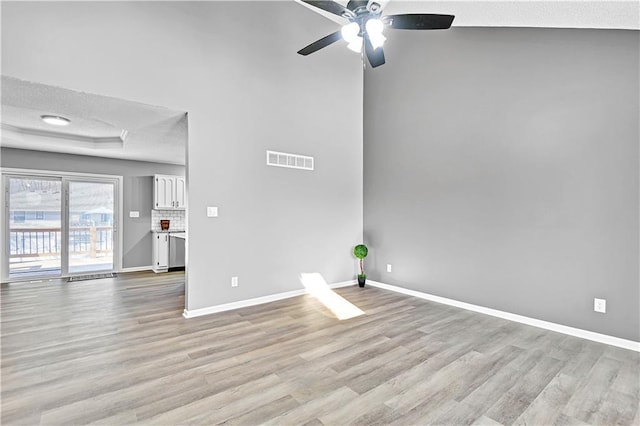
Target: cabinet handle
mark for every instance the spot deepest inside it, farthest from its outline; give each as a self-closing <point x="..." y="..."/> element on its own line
<point x="177" y="203"/>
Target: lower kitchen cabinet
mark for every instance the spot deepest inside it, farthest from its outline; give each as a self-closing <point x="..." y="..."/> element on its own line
<point x="160" y="252"/>
<point x="168" y="250"/>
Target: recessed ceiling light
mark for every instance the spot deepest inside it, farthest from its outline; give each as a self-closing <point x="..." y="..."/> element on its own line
<point x="55" y="120"/>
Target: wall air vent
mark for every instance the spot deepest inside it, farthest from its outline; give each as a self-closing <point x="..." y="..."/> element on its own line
<point x="291" y="161"/>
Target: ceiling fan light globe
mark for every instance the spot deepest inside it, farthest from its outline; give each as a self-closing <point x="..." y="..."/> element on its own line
<point x="377" y="40"/>
<point x="350" y="32"/>
<point x="356" y="45"/>
<point x="374" y="27"/>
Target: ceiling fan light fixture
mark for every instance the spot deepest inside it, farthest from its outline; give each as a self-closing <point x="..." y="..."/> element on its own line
<point x="350" y="32"/>
<point x="55" y="120"/>
<point x="356" y="45"/>
<point x="377" y="40"/>
<point x="374" y="28"/>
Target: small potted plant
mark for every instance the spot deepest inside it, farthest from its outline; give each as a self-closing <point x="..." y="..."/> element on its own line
<point x="360" y="251"/>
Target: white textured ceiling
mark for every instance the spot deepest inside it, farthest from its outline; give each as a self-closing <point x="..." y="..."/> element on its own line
<point x="522" y="13"/>
<point x="152" y="133"/>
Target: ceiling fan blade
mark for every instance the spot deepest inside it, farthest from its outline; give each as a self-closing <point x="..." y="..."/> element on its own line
<point x="332" y="7"/>
<point x="375" y="56"/>
<point x="419" y="21"/>
<point x="319" y="44"/>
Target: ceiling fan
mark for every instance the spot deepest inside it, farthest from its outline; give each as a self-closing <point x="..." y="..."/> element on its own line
<point x="366" y="25"/>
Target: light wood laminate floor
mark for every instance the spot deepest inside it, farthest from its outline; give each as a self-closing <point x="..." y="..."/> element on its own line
<point x="118" y="351"/>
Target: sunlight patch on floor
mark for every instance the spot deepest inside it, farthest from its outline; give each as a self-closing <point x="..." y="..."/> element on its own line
<point x="318" y="288"/>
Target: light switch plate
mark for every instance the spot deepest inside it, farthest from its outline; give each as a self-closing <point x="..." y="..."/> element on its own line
<point x="212" y="212"/>
<point x="134" y="214"/>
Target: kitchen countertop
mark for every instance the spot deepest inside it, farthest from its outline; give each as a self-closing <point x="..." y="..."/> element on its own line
<point x="176" y="234"/>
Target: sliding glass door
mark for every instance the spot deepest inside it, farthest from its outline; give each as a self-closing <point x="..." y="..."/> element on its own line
<point x="59" y="226"/>
<point x="91" y="214"/>
<point x="35" y="226"/>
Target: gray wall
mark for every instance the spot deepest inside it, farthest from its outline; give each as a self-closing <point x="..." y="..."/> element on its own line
<point x="137" y="190"/>
<point x="233" y="67"/>
<point x="501" y="169"/>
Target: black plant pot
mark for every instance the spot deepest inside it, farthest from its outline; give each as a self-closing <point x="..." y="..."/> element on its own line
<point x="361" y="281"/>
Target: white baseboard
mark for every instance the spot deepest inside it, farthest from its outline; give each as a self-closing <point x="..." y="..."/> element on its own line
<point x="136" y="269"/>
<point x="255" y="301"/>
<point x="343" y="284"/>
<point x="577" y="332"/>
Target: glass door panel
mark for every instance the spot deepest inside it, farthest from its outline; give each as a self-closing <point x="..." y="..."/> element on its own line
<point x="91" y="226"/>
<point x="35" y="225"/>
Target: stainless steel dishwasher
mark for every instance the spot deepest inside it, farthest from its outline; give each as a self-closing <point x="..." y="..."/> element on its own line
<point x="176" y="252"/>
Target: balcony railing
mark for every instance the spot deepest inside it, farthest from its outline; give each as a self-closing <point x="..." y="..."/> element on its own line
<point x="44" y="242"/>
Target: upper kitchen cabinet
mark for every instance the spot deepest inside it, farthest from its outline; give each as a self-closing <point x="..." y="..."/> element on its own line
<point x="170" y="192"/>
<point x="181" y="192"/>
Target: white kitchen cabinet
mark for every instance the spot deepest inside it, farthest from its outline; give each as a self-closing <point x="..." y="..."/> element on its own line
<point x="169" y="192"/>
<point x="164" y="188"/>
<point x="160" y="251"/>
<point x="181" y="192"/>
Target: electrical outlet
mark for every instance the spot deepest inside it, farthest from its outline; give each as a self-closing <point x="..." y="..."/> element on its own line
<point x="234" y="281"/>
<point x="389" y="268"/>
<point x="134" y="214"/>
<point x="600" y="305"/>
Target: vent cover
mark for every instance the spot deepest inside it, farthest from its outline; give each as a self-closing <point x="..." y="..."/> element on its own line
<point x="291" y="161"/>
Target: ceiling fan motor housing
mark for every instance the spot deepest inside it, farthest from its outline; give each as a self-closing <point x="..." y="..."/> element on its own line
<point x="363" y="7"/>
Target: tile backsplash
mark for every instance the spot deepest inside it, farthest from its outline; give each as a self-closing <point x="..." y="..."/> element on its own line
<point x="177" y="218"/>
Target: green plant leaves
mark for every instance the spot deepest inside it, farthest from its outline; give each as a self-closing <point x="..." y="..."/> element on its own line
<point x="360" y="251"/>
